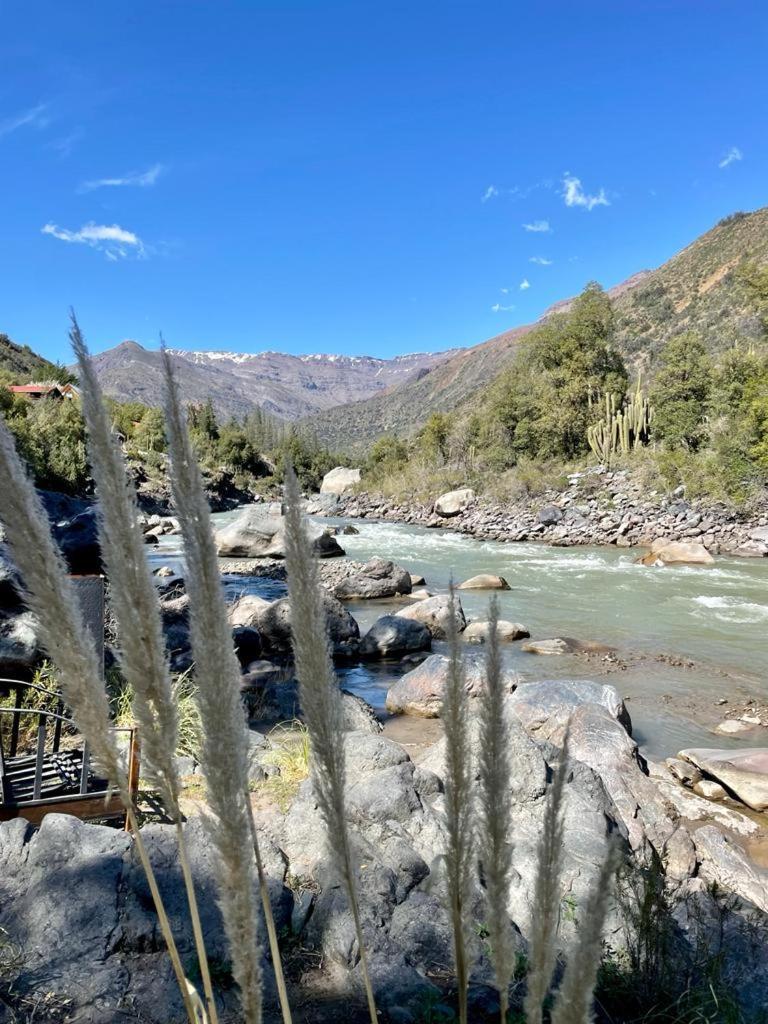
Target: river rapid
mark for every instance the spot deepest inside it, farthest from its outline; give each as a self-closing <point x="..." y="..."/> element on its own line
<point x="684" y="638"/>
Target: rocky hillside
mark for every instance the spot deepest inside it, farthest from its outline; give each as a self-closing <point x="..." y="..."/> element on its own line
<point x="284" y="385"/>
<point x="21" y="365"/>
<point x="696" y="290"/>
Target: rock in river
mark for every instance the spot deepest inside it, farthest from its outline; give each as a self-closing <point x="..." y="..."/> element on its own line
<point x="435" y="613"/>
<point x="477" y="632"/>
<point x="664" y="552"/>
<point x="377" y="578"/>
<point x="485" y="581"/>
<point x="420" y="692"/>
<point x="258" y="534"/>
<point x="392" y="635"/>
<point x="743" y="772"/>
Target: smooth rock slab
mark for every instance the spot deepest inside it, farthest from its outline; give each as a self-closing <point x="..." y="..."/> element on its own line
<point x="485" y="581"/>
<point x="743" y="772"/>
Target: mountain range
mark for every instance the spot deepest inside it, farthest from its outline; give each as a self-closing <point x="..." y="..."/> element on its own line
<point x="348" y="401"/>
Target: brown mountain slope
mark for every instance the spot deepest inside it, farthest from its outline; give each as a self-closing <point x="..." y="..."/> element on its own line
<point x="696" y="290"/>
<point x="285" y="385"/>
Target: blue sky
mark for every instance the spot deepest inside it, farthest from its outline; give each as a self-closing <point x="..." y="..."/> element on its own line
<point x="357" y="177"/>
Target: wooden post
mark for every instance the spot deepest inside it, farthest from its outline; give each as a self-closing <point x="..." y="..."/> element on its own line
<point x="133" y="771"/>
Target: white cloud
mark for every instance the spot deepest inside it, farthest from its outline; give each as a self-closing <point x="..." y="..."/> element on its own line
<point x="574" y="195"/>
<point x="141" y="179"/>
<point x="538" y="226"/>
<point x="490" y="193"/>
<point x="733" y="155"/>
<point x="525" y="284"/>
<point x="498" y="308"/>
<point x="115" y="242"/>
<point x="542" y="261"/>
<point x="35" y="117"/>
<point x="504" y="291"/>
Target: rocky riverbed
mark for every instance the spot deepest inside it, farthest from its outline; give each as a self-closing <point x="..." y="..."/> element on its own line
<point x="596" y="508"/>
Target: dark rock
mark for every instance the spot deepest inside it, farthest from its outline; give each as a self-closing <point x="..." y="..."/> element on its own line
<point x="74" y="528"/>
<point x="247" y="644"/>
<point x="378" y="578"/>
<point x="550" y="515"/>
<point x="392" y="635"/>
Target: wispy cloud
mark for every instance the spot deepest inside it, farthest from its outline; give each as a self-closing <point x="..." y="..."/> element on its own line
<point x="142" y="179"/>
<point x="733" y="155"/>
<point x="115" y="242"/>
<point x="66" y="143"/>
<point x="574" y="195"/>
<point x="542" y="261"/>
<point x="35" y="117"/>
<point x="539" y="226"/>
<point x="525" y="284"/>
<point x="498" y="308"/>
<point x="490" y="193"/>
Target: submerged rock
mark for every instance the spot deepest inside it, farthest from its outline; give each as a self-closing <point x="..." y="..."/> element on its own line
<point x="485" y="581"/>
<point x="564" y="645"/>
<point x="477" y="632"/>
<point x="664" y="552"/>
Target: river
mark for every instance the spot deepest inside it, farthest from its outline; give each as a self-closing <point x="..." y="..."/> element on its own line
<point x="685" y="637"/>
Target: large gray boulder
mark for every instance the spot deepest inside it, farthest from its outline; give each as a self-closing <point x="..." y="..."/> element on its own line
<point x="340" y="480"/>
<point x="421" y="691"/>
<point x="435" y="614"/>
<point x="257" y="533"/>
<point x="378" y="578"/>
<point x="546" y="706"/>
<point x="454" y="502"/>
<point x="391" y="635"/>
<point x="274" y="625"/>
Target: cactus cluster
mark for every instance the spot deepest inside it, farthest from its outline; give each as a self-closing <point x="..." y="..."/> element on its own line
<point x="623" y="427"/>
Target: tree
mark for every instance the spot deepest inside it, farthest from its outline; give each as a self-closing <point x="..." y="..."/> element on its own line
<point x="681" y="392"/>
<point x="434" y="435"/>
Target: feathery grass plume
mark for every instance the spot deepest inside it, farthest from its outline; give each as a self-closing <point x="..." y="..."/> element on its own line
<point x="458" y="804"/>
<point x="224" y="747"/>
<point x="545" y="906"/>
<point x="143" y="658"/>
<point x="320" y="701"/>
<point x="496" y="812"/>
<point x="574" y="998"/>
<point x="49" y="593"/>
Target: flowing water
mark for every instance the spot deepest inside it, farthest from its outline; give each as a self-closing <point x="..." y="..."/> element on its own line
<point x="685" y="637"/>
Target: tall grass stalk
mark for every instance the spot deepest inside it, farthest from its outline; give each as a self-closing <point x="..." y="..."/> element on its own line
<point x="458" y="803"/>
<point x="320" y="702"/>
<point x="224" y="746"/>
<point x="545" y="904"/>
<point x="143" y="658"/>
<point x="574" y="997"/>
<point x="50" y="595"/>
<point x="496" y="812"/>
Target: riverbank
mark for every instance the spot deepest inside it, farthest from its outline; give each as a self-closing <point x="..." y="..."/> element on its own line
<point x="595" y="509"/>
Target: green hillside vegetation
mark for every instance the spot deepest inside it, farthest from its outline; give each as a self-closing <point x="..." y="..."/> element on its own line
<point x="567" y="399"/>
<point x="20" y="365"/>
<point x="50" y="436"/>
<point x="702" y="289"/>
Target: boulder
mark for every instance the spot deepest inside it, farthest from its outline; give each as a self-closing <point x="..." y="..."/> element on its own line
<point x="74" y="528"/>
<point x="378" y="578"/>
<point x="19" y="645"/>
<point x="247" y="643"/>
<point x="709" y="790"/>
<point x="743" y="772"/>
<point x="550" y="515"/>
<point x="420" y="692"/>
<point x="454" y="502"/>
<point x="435" y="614"/>
<point x="545" y="706"/>
<point x="256" y="533"/>
<point x="274" y="625"/>
<point x="392" y="635"/>
<point x="247" y="610"/>
<point x="340" y="480"/>
<point x="358" y="714"/>
<point x="485" y="581"/>
<point x="665" y="552"/>
<point x="724" y="862"/>
<point x="563" y="645"/>
<point x="477" y="632"/>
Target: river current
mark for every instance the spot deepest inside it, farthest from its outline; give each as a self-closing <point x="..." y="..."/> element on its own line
<point x="685" y="638"/>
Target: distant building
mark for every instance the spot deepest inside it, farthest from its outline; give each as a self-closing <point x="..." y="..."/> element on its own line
<point x="47" y="389"/>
